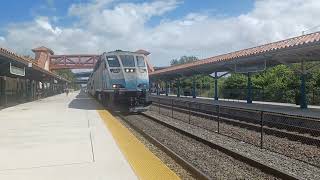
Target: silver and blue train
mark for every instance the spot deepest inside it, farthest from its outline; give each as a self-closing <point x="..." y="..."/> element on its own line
<point x="120" y="81"/>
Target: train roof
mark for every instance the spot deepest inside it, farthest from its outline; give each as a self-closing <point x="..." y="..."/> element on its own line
<point x="144" y="52"/>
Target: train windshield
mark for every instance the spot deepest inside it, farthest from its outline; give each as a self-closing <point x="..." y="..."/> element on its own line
<point x="113" y="61"/>
<point x="140" y="61"/>
<point x="127" y="60"/>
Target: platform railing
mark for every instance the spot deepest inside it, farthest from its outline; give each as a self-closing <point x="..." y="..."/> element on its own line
<point x="292" y="136"/>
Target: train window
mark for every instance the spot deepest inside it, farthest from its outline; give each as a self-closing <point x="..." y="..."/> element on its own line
<point x="140" y="61"/>
<point x="113" y="61"/>
<point x="127" y="60"/>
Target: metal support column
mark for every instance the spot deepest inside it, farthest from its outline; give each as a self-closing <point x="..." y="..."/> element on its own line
<point x="29" y="89"/>
<point x="303" y="103"/>
<point x="166" y="84"/>
<point x="178" y="88"/>
<point x="52" y="87"/>
<point x="34" y="90"/>
<point x="1" y="91"/>
<point x="249" y="92"/>
<point x="194" y="87"/>
<point x="158" y="88"/>
<point x="26" y="90"/>
<point x="216" y="86"/>
<point x="3" y="94"/>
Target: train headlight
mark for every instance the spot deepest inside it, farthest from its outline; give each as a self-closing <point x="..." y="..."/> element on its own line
<point x="117" y="86"/>
<point x="131" y="70"/>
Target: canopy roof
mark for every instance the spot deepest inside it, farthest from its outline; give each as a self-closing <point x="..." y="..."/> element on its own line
<point x="293" y="50"/>
<point x="38" y="73"/>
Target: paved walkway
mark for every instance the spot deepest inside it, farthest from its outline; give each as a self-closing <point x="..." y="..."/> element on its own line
<point x="59" y="138"/>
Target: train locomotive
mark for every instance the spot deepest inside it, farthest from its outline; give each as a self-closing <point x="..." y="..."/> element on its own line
<point x="120" y="81"/>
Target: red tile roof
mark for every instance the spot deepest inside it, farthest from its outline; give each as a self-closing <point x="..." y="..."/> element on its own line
<point x="42" y="48"/>
<point x="11" y="55"/>
<point x="292" y="42"/>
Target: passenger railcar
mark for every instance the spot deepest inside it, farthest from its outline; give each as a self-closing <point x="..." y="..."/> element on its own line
<point x="120" y="80"/>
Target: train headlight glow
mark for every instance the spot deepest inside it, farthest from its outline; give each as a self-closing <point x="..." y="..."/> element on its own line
<point x="131" y="70"/>
<point x="116" y="86"/>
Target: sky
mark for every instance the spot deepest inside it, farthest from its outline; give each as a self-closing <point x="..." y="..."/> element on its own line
<point x="166" y="28"/>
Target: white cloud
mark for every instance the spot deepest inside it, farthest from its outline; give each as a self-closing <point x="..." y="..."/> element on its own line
<point x="120" y="20"/>
<point x="43" y="22"/>
<point x="2" y="41"/>
<point x="105" y="25"/>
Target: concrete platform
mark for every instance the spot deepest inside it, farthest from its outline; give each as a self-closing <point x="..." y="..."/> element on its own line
<point x="59" y="138"/>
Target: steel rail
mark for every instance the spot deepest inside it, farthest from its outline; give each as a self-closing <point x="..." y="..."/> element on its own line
<point x="263" y="167"/>
<point x="196" y="173"/>
<point x="255" y="126"/>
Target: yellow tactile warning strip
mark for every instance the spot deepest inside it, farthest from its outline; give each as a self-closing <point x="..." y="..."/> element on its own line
<point x="144" y="163"/>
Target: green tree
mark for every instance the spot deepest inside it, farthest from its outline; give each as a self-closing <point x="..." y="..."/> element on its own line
<point x="234" y="87"/>
<point x="235" y="81"/>
<point x="65" y="73"/>
<point x="69" y="75"/>
<point x="280" y="84"/>
<point x="183" y="60"/>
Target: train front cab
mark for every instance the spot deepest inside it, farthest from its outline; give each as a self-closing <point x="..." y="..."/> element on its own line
<point x="129" y="81"/>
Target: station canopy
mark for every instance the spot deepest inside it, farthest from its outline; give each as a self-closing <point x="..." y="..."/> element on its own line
<point x="14" y="65"/>
<point x="294" y="50"/>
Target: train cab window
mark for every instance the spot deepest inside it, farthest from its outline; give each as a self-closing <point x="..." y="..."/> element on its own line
<point x="113" y="61"/>
<point x="127" y="60"/>
<point x="140" y="61"/>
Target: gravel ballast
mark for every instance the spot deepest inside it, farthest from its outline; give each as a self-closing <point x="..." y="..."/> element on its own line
<point x="214" y="163"/>
<point x="278" y="161"/>
<point x="291" y="148"/>
<point x="180" y="171"/>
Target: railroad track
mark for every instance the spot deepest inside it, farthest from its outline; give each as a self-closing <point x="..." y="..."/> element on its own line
<point x="311" y="138"/>
<point x="208" y="109"/>
<point x="198" y="173"/>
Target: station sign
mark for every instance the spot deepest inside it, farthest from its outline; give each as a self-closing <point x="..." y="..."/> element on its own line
<point x="257" y="66"/>
<point x="17" y="71"/>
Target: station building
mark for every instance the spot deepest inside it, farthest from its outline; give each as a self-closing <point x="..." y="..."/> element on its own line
<point x="24" y="79"/>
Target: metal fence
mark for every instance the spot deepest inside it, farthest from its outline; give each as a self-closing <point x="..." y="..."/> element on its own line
<point x="292" y="136"/>
<point x="292" y="96"/>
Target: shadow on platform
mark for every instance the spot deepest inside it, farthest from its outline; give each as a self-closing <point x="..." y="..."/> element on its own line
<point x="84" y="101"/>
